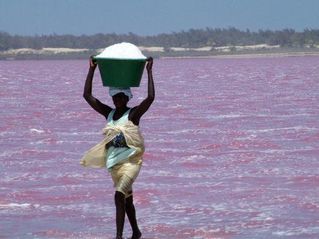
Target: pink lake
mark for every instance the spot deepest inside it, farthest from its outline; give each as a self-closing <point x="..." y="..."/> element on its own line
<point x="232" y="151"/>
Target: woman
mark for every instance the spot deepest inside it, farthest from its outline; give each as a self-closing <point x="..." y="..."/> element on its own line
<point x="123" y="145"/>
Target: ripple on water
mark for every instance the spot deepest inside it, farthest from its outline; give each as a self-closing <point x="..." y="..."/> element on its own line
<point x="233" y="156"/>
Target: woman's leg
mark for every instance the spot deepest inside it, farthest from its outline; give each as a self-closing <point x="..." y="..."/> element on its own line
<point x="131" y="214"/>
<point x="120" y="213"/>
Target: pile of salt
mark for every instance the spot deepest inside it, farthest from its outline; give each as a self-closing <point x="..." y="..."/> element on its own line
<point x="122" y="50"/>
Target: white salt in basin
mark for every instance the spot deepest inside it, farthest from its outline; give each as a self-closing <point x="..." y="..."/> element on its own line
<point x="122" y="50"/>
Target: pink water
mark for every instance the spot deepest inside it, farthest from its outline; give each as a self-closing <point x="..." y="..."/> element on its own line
<point x="232" y="151"/>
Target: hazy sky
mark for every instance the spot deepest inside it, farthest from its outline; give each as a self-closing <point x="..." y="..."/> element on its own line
<point x="151" y="17"/>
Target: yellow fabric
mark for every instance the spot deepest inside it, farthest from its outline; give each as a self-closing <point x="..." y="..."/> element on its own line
<point x="96" y="156"/>
<point x="124" y="175"/>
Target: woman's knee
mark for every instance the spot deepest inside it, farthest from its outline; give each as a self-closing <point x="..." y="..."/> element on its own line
<point x="129" y="198"/>
<point x="119" y="198"/>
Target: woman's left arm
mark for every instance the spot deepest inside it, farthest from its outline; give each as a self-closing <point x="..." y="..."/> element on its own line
<point x="138" y="111"/>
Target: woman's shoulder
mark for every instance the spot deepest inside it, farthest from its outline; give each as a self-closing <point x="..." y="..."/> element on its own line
<point x="132" y="110"/>
<point x="132" y="114"/>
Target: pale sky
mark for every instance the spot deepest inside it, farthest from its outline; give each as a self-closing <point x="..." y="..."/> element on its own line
<point x="152" y="17"/>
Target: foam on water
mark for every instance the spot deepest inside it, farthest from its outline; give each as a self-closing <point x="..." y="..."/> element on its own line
<point x="39" y="131"/>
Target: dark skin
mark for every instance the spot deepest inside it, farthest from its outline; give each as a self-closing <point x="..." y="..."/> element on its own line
<point x="120" y="100"/>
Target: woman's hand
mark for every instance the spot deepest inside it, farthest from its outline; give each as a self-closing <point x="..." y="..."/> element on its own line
<point x="92" y="63"/>
<point x="149" y="64"/>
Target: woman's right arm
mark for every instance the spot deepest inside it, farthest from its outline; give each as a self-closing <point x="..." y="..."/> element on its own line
<point x="87" y="94"/>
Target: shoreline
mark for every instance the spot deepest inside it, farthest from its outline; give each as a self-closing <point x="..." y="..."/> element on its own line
<point x="248" y="55"/>
<point x="78" y="54"/>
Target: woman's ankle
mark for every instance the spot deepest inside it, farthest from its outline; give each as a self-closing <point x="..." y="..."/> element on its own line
<point x="136" y="234"/>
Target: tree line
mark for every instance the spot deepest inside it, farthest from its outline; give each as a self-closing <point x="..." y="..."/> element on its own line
<point x="192" y="38"/>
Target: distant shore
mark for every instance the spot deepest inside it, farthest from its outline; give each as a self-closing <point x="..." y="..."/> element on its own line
<point x="251" y="51"/>
<point x="252" y="55"/>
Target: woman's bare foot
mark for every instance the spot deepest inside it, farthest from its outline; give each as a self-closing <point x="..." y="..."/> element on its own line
<point x="136" y="235"/>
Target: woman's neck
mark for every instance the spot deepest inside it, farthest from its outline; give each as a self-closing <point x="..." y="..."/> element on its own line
<point x="121" y="109"/>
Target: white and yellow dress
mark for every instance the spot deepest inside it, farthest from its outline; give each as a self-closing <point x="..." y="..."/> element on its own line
<point x="123" y="158"/>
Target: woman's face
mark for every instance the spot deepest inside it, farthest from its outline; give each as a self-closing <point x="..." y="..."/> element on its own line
<point x="120" y="100"/>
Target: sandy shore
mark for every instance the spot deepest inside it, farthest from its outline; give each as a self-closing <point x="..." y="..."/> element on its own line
<point x="252" y="55"/>
<point x="253" y="51"/>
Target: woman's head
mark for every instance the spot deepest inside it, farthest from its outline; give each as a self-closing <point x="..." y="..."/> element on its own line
<point x="120" y="100"/>
<point x="120" y="96"/>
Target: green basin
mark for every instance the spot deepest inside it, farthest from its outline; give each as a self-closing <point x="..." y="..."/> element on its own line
<point x="121" y="72"/>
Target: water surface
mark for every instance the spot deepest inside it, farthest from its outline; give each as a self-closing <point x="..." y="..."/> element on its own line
<point x="232" y="148"/>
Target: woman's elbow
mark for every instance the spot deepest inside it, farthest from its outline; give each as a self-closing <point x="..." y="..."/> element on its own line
<point x="151" y="98"/>
<point x="86" y="96"/>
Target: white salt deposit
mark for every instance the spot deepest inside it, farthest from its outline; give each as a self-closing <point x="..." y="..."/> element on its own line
<point x="122" y="50"/>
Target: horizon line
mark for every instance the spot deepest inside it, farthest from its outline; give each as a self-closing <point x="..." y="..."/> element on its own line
<point x="163" y="33"/>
